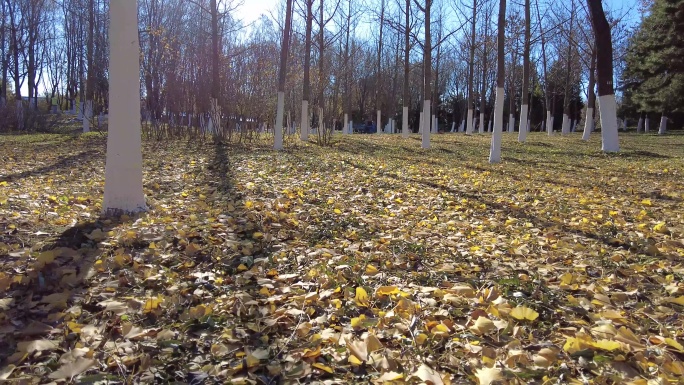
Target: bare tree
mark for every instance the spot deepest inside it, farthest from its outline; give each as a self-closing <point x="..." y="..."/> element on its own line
<point x="284" y="52"/>
<point x="495" y="151"/>
<point x="524" y="108"/>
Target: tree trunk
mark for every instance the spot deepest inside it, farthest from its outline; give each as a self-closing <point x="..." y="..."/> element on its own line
<point x="495" y="151"/>
<point x="524" y="108"/>
<point x="427" y="81"/>
<point x="604" y="72"/>
<point x="378" y="69"/>
<point x="282" y="77"/>
<point x="123" y="192"/>
<point x="471" y="73"/>
<point x="90" y="77"/>
<point x="407" y="50"/>
<point x="306" y="97"/>
<point x="591" y="98"/>
<point x="215" y="115"/>
<point x="565" y="128"/>
<point x="663" y="125"/>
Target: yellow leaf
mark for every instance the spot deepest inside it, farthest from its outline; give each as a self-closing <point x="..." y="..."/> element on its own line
<point x="357" y="322"/>
<point x="371" y="270"/>
<point x="482" y="325"/>
<point x="646" y="202"/>
<point x="679" y="300"/>
<point x="152" y="304"/>
<point x="258" y="235"/>
<point x="338" y="211"/>
<point x="388" y="290"/>
<point x="661" y="228"/>
<point x="322" y="367"/>
<point x="361" y="297"/>
<point x="354" y="361"/>
<point x="674" y="344"/>
<point x="421" y="338"/>
<point x="524" y="313"/>
<point x="607" y="345"/>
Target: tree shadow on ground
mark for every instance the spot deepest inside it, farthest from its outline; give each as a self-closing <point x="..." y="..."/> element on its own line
<point x="68" y="162"/>
<point x="50" y="281"/>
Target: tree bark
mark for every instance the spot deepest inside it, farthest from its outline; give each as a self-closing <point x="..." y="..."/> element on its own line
<point x="604" y="76"/>
<point x="524" y="108"/>
<point x="282" y="77"/>
<point x="495" y="151"/>
<point x="591" y="98"/>
<point x="407" y="50"/>
<point x="306" y="97"/>
<point x="123" y="192"/>
<point x="471" y="73"/>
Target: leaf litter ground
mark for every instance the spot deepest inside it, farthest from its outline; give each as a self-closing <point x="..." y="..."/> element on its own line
<point x="371" y="261"/>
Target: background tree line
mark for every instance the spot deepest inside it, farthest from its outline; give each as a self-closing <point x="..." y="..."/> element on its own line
<point x="204" y="70"/>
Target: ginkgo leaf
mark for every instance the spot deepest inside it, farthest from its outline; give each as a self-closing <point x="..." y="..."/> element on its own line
<point x="6" y="371"/>
<point x="323" y="367"/>
<point x="361" y="297"/>
<point x="371" y="270"/>
<point x="72" y="369"/>
<point x="482" y="325"/>
<point x="486" y="376"/>
<point x="524" y="313"/>
<point x="386" y="290"/>
<point x="428" y="375"/>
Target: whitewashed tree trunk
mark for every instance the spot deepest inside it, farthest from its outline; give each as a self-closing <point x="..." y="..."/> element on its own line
<point x="345" y="127"/>
<point x="609" y="127"/>
<point x="425" y="143"/>
<point x="481" y="128"/>
<point x="123" y="192"/>
<point x="491" y="124"/>
<point x="80" y="111"/>
<point x="511" y="123"/>
<point x="453" y="126"/>
<point x="624" y="124"/>
<point x="549" y="123"/>
<point x="320" y="128"/>
<point x="278" y="129"/>
<point x="495" y="150"/>
<point x="435" y="128"/>
<point x="565" y="128"/>
<point x="471" y="122"/>
<point x="460" y="128"/>
<point x="304" y="130"/>
<point x="588" y="124"/>
<point x="379" y="123"/>
<point x="647" y="124"/>
<point x="405" y="122"/>
<point x="663" y="125"/>
<point x="640" y="125"/>
<point x="524" y="124"/>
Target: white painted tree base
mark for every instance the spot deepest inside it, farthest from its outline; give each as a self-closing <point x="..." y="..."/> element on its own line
<point x="435" y="125"/>
<point x="663" y="125"/>
<point x="588" y="124"/>
<point x="549" y="123"/>
<point x="609" y="126"/>
<point x="470" y="127"/>
<point x="497" y="133"/>
<point x="481" y="125"/>
<point x="425" y="143"/>
<point x="647" y="124"/>
<point x="524" y="124"/>
<point x="511" y="123"/>
<point x="565" y="128"/>
<point x="640" y="125"/>
<point x="304" y="131"/>
<point x="278" y="129"/>
<point x="123" y="191"/>
<point x="461" y="127"/>
<point x="345" y="127"/>
<point x="379" y="123"/>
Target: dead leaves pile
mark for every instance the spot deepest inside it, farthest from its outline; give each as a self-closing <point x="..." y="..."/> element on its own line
<point x="371" y="261"/>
